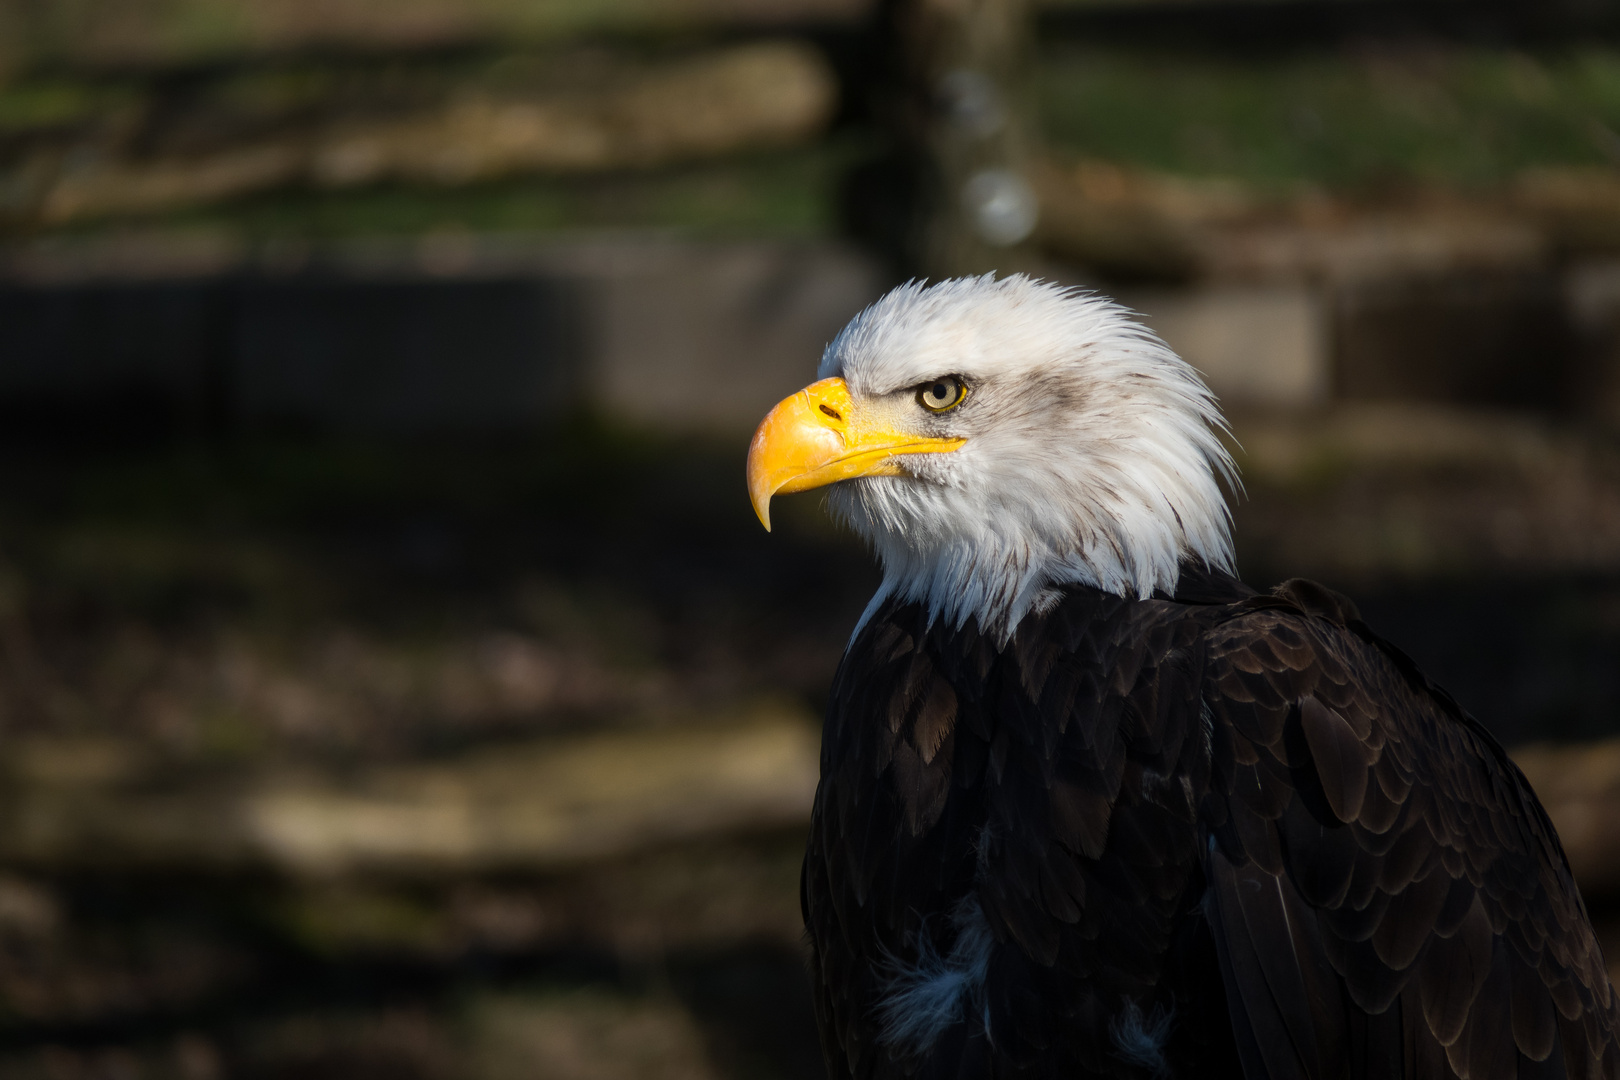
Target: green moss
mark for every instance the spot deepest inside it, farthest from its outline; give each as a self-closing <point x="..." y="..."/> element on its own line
<point x="769" y="193"/>
<point x="342" y="920"/>
<point x="52" y="103"/>
<point x="168" y="33"/>
<point x="1467" y="116"/>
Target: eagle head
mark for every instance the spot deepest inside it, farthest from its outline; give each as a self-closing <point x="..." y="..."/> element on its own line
<point x="995" y="440"/>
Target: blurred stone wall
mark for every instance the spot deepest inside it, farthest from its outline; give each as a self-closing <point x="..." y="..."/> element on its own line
<point x="419" y="336"/>
<point x="460" y="333"/>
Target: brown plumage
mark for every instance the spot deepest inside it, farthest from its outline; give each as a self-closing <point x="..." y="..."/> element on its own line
<point x="1219" y="834"/>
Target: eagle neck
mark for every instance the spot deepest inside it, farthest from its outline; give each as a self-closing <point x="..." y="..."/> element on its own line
<point x="1000" y="586"/>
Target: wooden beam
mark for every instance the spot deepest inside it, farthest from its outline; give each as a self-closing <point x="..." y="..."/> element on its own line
<point x="540" y="806"/>
<point x="717" y="102"/>
<point x="959" y="110"/>
<point x="537" y="806"/>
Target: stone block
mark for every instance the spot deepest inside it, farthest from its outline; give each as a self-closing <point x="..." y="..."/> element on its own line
<point x="709" y="337"/>
<point x="1482" y="338"/>
<point x="1593" y="291"/>
<point x="1260" y="344"/>
<point x="468" y="336"/>
<point x="404" y="353"/>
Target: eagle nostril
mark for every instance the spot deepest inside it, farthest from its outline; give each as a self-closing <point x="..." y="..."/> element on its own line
<point x="830" y="411"/>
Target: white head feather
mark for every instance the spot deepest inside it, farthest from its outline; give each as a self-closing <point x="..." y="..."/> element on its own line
<point x="1093" y="452"/>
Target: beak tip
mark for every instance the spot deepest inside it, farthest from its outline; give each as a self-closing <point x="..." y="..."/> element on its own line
<point x="760" y="488"/>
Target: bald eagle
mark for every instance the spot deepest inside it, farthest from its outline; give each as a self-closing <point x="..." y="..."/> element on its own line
<point x="1089" y="805"/>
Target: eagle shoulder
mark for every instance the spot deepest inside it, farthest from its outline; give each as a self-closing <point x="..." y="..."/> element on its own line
<point x="1166" y="835"/>
<point x="1386" y="893"/>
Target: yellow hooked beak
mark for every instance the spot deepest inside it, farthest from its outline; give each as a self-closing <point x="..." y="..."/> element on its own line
<point x="816" y="437"/>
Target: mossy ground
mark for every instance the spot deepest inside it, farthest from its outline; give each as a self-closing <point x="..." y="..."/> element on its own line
<point x="1350" y="119"/>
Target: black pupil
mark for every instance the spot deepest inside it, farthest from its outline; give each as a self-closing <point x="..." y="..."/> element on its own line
<point x="940" y="391"/>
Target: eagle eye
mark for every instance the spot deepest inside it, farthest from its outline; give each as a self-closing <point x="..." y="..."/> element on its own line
<point x="942" y="394"/>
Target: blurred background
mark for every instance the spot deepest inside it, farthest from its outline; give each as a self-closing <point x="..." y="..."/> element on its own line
<point x="394" y="681"/>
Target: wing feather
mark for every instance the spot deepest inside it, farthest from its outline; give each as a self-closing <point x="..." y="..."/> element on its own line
<point x="1398" y="845"/>
<point x="1240" y="823"/>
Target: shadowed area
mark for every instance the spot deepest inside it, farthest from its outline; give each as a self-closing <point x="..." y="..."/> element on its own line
<point x="370" y="632"/>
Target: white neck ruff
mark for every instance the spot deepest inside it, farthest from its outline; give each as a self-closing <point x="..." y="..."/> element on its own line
<point x="1093" y="457"/>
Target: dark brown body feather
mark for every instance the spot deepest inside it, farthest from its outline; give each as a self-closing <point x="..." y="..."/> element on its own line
<point x="1239" y="819"/>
